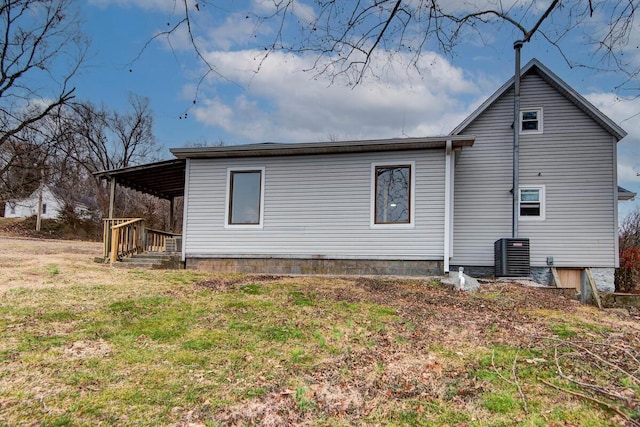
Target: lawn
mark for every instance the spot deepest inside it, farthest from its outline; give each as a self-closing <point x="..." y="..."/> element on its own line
<point x="84" y="344"/>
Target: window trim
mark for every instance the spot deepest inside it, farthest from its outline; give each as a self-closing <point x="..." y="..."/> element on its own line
<point x="543" y="196"/>
<point x="412" y="195"/>
<point x="540" y="121"/>
<point x="227" y="203"/>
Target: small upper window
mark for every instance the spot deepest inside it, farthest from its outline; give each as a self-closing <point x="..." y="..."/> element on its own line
<point x="531" y="121"/>
<point x="44" y="208"/>
<point x="245" y="190"/>
<point x="392" y="194"/>
<point x="531" y="202"/>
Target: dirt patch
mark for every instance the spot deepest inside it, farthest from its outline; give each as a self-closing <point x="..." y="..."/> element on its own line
<point x="224" y="284"/>
<point x="88" y="349"/>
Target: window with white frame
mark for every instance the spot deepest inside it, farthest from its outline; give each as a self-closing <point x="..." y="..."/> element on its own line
<point x="245" y="194"/>
<point x="392" y="194"/>
<point x="531" y="202"/>
<point x="531" y="120"/>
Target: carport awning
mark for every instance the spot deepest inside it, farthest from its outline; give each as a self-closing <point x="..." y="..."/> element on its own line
<point x="161" y="179"/>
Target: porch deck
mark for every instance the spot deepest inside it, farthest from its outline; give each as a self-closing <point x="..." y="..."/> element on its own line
<point x="125" y="238"/>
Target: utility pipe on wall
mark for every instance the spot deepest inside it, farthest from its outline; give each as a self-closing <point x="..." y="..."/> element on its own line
<point x="448" y="203"/>
<point x="516" y="142"/>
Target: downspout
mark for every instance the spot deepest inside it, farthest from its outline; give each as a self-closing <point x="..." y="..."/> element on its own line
<point x="447" y="203"/>
<point x="516" y="143"/>
<point x="185" y="210"/>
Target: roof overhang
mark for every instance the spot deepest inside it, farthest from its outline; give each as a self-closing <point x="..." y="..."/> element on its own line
<point x="160" y="179"/>
<point x="167" y="179"/>
<point x="624" y="194"/>
<point x="311" y="148"/>
<point x="536" y="67"/>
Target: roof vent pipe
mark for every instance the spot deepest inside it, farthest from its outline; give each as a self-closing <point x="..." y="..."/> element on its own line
<point x="516" y="142"/>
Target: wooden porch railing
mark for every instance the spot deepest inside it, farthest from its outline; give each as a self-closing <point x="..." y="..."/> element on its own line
<point x="124" y="237"/>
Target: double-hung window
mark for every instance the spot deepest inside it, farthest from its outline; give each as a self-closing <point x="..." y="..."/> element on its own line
<point x="531" y="202"/>
<point x="245" y="195"/>
<point x="392" y="194"/>
<point x="531" y="120"/>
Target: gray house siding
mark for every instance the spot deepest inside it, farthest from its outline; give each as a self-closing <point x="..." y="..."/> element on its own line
<point x="315" y="206"/>
<point x="573" y="159"/>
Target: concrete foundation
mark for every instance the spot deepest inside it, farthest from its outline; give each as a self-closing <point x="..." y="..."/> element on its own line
<point x="475" y="271"/>
<point x="316" y="266"/>
<point x="605" y="279"/>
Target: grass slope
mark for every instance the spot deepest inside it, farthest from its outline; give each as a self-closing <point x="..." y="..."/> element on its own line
<point x="89" y="345"/>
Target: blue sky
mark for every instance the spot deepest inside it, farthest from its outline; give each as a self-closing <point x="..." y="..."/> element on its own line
<point x="284" y="103"/>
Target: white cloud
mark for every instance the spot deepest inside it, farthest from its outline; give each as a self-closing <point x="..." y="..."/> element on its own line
<point x="235" y="30"/>
<point x="625" y="112"/>
<point x="155" y="5"/>
<point x="300" y="9"/>
<point x="282" y="103"/>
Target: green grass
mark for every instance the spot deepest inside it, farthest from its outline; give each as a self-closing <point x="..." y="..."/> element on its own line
<point x="150" y="348"/>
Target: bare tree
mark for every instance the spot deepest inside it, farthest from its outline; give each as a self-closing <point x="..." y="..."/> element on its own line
<point x="100" y="139"/>
<point x="95" y="138"/>
<point x="41" y="49"/>
<point x="628" y="275"/>
<point x="344" y="36"/>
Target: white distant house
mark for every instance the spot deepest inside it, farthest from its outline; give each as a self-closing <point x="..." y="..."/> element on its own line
<point x="53" y="202"/>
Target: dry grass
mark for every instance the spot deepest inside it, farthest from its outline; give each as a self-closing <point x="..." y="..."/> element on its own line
<point x="84" y="344"/>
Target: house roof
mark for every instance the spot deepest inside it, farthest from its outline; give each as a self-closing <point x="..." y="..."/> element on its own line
<point x="624" y="194"/>
<point x="166" y="179"/>
<point x="536" y="67"/>
<point x="333" y="147"/>
<point x="161" y="179"/>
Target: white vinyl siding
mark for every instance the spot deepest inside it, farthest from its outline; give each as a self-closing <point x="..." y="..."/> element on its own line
<point x="316" y="206"/>
<point x="572" y="159"/>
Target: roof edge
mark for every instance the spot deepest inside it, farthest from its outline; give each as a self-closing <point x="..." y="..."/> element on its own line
<point x="624" y="194"/>
<point x="106" y="173"/>
<point x="550" y="77"/>
<point x="336" y="147"/>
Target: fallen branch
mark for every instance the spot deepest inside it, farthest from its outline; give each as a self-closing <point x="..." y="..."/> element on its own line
<point x="515" y="379"/>
<point x="515" y="383"/>
<point x="630" y="420"/>
<point x="606" y="362"/>
<point x="599" y="389"/>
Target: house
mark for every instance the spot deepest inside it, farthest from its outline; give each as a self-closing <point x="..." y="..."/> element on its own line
<point x="409" y="206"/>
<point x="53" y="202"/>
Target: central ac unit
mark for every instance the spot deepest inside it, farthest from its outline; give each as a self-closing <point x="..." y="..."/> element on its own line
<point x="511" y="257"/>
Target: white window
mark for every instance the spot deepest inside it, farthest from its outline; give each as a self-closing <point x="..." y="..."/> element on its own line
<point x="392" y="194"/>
<point x="245" y="195"/>
<point x="531" y="202"/>
<point x="531" y="120"/>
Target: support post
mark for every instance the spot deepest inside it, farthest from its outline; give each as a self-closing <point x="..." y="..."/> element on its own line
<point x="112" y="197"/>
<point x="171" y="209"/>
<point x="516" y="142"/>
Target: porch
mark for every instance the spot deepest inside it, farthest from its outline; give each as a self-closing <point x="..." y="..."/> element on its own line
<point x="129" y="241"/>
<point x="125" y="239"/>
